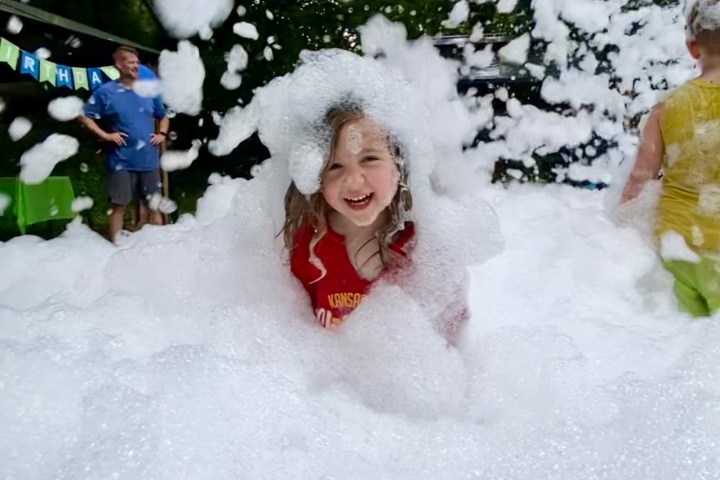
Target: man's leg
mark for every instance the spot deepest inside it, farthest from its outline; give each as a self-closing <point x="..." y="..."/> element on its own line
<point x="148" y="215"/>
<point x="120" y="188"/>
<point x="116" y="222"/>
<point x="150" y="185"/>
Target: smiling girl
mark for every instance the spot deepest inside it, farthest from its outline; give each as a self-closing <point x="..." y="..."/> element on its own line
<point x="353" y="230"/>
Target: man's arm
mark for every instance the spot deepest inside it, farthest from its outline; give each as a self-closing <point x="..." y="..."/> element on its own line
<point x="162" y="132"/>
<point x="118" y="137"/>
<point x="649" y="157"/>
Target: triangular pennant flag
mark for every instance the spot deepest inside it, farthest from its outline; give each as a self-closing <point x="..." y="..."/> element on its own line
<point x="47" y="72"/>
<point x="94" y="77"/>
<point x="63" y="76"/>
<point x="30" y="64"/>
<point x="80" y="78"/>
<point x="9" y="53"/>
<point x="111" y="72"/>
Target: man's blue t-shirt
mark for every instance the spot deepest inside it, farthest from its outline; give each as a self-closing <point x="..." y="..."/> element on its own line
<point x="117" y="108"/>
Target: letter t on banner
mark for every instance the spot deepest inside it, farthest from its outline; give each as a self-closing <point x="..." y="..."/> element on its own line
<point x="29" y="64"/>
<point x="47" y="72"/>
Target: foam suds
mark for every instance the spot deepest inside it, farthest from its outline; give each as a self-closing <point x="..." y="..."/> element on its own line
<point x="190" y="351"/>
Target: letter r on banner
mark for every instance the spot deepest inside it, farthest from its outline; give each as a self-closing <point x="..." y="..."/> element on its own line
<point x="29" y="64"/>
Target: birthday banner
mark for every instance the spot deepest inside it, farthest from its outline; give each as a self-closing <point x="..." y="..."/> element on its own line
<point x="74" y="78"/>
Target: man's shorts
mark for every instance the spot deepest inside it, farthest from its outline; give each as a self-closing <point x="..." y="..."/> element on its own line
<point x="124" y="186"/>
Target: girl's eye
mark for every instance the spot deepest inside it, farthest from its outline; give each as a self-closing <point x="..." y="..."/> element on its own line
<point x="370" y="159"/>
<point x="334" y="166"/>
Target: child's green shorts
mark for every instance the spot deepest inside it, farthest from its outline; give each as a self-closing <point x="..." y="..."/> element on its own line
<point x="697" y="285"/>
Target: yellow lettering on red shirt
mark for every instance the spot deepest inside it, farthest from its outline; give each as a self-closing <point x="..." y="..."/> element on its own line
<point x="345" y="300"/>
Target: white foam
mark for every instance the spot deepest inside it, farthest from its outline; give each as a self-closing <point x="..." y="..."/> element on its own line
<point x="237" y="125"/>
<point x="458" y="15"/>
<point x="148" y="88"/>
<point x="674" y="247"/>
<point x="506" y="6"/>
<point x="81" y="203"/>
<point x="65" y="109"/>
<point x="19" y="127"/>
<point x="516" y="51"/>
<point x="478" y="32"/>
<point x="38" y="162"/>
<point x="231" y="80"/>
<point x="182" y="73"/>
<point x="190" y="351"/>
<point x="246" y="30"/>
<point x="42" y="53"/>
<point x="268" y="53"/>
<point x="237" y="59"/>
<point x="185" y="18"/>
<point x="172" y="160"/>
<point x="379" y="34"/>
<point x="14" y="25"/>
<point x="173" y="347"/>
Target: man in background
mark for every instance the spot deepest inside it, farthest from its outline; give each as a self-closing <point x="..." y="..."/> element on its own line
<point x="126" y="122"/>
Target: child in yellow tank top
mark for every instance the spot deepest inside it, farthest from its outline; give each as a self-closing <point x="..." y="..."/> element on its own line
<point x="682" y="136"/>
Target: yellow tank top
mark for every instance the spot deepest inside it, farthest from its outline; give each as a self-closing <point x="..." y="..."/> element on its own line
<point x="690" y="199"/>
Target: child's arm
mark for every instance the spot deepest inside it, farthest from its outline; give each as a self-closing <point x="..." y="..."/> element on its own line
<point x="649" y="157"/>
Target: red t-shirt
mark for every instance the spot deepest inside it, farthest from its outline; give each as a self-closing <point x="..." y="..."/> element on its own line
<point x="340" y="291"/>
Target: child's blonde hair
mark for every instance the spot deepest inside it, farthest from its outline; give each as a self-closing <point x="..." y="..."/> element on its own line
<point x="703" y="25"/>
<point x="312" y="210"/>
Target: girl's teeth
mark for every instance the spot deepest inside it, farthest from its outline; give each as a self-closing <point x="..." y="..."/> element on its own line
<point x="358" y="199"/>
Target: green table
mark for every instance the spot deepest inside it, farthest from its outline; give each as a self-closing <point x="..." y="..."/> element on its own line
<point x="30" y="204"/>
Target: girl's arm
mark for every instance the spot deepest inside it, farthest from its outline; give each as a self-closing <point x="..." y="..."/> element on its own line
<point x="649" y="157"/>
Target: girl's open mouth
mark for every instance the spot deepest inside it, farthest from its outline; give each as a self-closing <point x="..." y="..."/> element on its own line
<point x="358" y="203"/>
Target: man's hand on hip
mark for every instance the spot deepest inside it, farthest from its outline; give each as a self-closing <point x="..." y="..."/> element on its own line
<point x="158" y="138"/>
<point x="118" y="138"/>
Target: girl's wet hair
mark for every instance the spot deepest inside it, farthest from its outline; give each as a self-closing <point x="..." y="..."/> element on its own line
<point x="312" y="210"/>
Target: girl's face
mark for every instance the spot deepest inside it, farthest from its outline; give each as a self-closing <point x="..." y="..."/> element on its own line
<point x="361" y="178"/>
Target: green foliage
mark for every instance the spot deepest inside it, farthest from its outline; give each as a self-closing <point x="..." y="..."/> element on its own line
<point x="131" y="19"/>
<point x="315" y="24"/>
